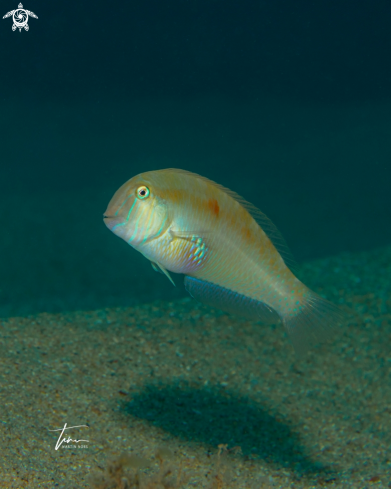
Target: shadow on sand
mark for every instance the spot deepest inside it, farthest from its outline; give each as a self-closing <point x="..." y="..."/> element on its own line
<point x="213" y="417"/>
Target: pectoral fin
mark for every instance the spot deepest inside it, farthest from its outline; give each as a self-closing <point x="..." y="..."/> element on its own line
<point x="187" y="235"/>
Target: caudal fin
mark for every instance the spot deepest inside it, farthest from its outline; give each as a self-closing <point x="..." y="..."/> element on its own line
<point x="316" y="321"/>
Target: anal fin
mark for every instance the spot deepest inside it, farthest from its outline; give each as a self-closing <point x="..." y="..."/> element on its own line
<point x="229" y="301"/>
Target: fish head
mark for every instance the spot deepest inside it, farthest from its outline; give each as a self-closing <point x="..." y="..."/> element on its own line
<point x="137" y="213"/>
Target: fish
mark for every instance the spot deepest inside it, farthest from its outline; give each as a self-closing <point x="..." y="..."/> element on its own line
<point x="231" y="254"/>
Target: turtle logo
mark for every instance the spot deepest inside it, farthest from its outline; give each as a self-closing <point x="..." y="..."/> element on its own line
<point x="20" y="17"/>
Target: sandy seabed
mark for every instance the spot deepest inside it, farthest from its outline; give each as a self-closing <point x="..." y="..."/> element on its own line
<point x="174" y="394"/>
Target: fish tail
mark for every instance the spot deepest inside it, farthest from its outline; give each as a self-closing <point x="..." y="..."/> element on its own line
<point x="316" y="320"/>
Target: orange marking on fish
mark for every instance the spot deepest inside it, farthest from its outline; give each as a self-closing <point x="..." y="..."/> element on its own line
<point x="246" y="233"/>
<point x="214" y="207"/>
<point x="173" y="195"/>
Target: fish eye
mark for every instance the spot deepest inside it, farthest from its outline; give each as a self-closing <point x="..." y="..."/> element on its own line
<point x="143" y="192"/>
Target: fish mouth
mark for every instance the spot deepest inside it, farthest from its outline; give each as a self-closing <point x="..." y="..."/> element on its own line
<point x="112" y="221"/>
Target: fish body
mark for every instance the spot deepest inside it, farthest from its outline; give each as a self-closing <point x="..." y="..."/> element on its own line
<point x="231" y="254"/>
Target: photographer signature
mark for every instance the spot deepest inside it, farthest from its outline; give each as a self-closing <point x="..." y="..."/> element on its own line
<point x="66" y="440"/>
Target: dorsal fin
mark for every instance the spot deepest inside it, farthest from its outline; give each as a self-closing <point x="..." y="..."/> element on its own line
<point x="263" y="221"/>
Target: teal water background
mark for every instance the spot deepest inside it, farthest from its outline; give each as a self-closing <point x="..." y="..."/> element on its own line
<point x="288" y="105"/>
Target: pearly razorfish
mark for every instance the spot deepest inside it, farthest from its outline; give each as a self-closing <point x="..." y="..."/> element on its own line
<point x="232" y="256"/>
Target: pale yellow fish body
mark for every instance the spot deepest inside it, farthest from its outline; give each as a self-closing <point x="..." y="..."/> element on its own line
<point x="188" y="224"/>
